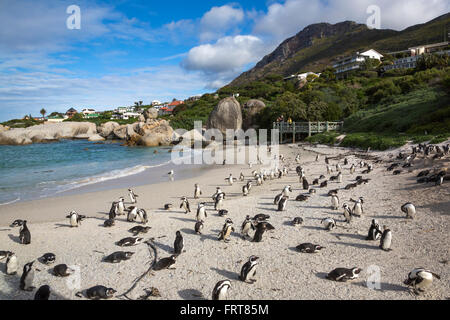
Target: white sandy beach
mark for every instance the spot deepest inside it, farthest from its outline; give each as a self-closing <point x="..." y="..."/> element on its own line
<point x="283" y="273"/>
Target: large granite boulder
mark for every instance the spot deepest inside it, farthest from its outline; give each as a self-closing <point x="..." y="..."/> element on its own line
<point x="3" y="128"/>
<point x="226" y="115"/>
<point x="106" y="130"/>
<point x="96" y="138"/>
<point x="48" y="132"/>
<point x="150" y="114"/>
<point x="251" y="109"/>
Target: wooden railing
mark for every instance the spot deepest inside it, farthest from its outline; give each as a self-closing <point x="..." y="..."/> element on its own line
<point x="307" y="127"/>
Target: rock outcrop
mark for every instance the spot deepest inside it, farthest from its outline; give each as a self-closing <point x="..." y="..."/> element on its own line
<point x="106" y="130"/>
<point x="251" y="109"/>
<point x="3" y="128"/>
<point x="226" y="115"/>
<point x="153" y="133"/>
<point x="48" y="133"/>
<point x="150" y="114"/>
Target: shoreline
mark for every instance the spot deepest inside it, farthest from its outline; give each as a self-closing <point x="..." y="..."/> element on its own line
<point x="284" y="274"/>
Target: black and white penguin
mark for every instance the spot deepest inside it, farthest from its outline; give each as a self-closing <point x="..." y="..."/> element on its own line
<point x="420" y="279"/>
<point x="218" y="191"/>
<point x="297" y="221"/>
<point x="43" y="293"/>
<point x="386" y="240"/>
<point x="113" y="212"/>
<point x="16" y="223"/>
<point x="12" y="265"/>
<point x="358" y="209"/>
<point x="230" y="180"/>
<point x="287" y="191"/>
<point x="142" y="214"/>
<point x="171" y="174"/>
<point x="185" y="205"/>
<point x="219" y="201"/>
<point x="226" y="231"/>
<point x="347" y="213"/>
<point x="261" y="228"/>
<point x="220" y="291"/>
<point x="343" y="274"/>
<point x="242" y="177"/>
<point x="199" y="227"/>
<point x="248" y="270"/>
<point x="48" y="258"/>
<point x="283" y="204"/>
<point x="4" y="254"/>
<point x="305" y="184"/>
<point x="132" y="214"/>
<point x="133" y="196"/>
<point x="245" y="190"/>
<point x="139" y="229"/>
<point x="329" y="224"/>
<point x="62" y="270"/>
<point x="324" y="184"/>
<point x="352" y="169"/>
<point x="168" y="206"/>
<point x="98" y="293"/>
<point x="247" y="225"/>
<point x="309" y="248"/>
<point x="201" y="212"/>
<point x="223" y="213"/>
<point x="165" y="263"/>
<point x="261" y="218"/>
<point x="109" y="223"/>
<point x="26" y="281"/>
<point x="277" y="199"/>
<point x="118" y="257"/>
<point x="197" y="191"/>
<point x="25" y="234"/>
<point x="129" y="242"/>
<point x="375" y="232"/>
<point x="178" y="245"/>
<point x="410" y="210"/>
<point x="302" y="198"/>
<point x="335" y="202"/>
<point x="75" y="219"/>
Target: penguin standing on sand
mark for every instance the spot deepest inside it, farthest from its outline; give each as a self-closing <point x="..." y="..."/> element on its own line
<point x="305" y="184"/>
<point x="339" y="177"/>
<point x="287" y="191"/>
<point x="114" y="210"/>
<point x="219" y="201"/>
<point x="410" y="210"/>
<point x="421" y="279"/>
<point x="335" y="202"/>
<point x="132" y="214"/>
<point x="75" y="219"/>
<point x="25" y="235"/>
<point x="133" y="196"/>
<point x="277" y="199"/>
<point x="197" y="191"/>
<point x="245" y="190"/>
<point x="329" y="224"/>
<point x="142" y="214"/>
<point x="352" y="169"/>
<point x="221" y="290"/>
<point x="218" y="191"/>
<point x="248" y="270"/>
<point x="261" y="228"/>
<point x="247" y="225"/>
<point x="347" y="213"/>
<point x="230" y="180"/>
<point x="121" y="207"/>
<point x="375" y="232"/>
<point x="201" y="212"/>
<point x="185" y="205"/>
<point x="386" y="240"/>
<point x="242" y="177"/>
<point x="178" y="244"/>
<point x="26" y="281"/>
<point x="226" y="231"/>
<point x="11" y="264"/>
<point x="199" y="227"/>
<point x="358" y="209"/>
<point x="171" y="174"/>
<point x="283" y="204"/>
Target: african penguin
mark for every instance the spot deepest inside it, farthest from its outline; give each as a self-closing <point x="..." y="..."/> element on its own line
<point x="185" y="205"/>
<point x="375" y="232"/>
<point x="199" y="227"/>
<point x="98" y="293"/>
<point x="309" y="248"/>
<point x="118" y="257"/>
<point x="386" y="240"/>
<point x="420" y="279"/>
<point x="132" y="214"/>
<point x="165" y="263"/>
<point x="347" y="213"/>
<point x="410" y="210"/>
<point x="133" y="196"/>
<point x="343" y="274"/>
<point x="197" y="191"/>
<point x="26" y="281"/>
<point x="178" y="245"/>
<point x="48" y="258"/>
<point x="221" y="290"/>
<point x="129" y="242"/>
<point x="335" y="202"/>
<point x="282" y="204"/>
<point x="201" y="212"/>
<point x="25" y="235"/>
<point x="12" y="264"/>
<point x="247" y="225"/>
<point x="75" y="219"/>
<point x="248" y="270"/>
<point x="226" y="231"/>
<point x="329" y="224"/>
<point x="62" y="270"/>
<point x="43" y="293"/>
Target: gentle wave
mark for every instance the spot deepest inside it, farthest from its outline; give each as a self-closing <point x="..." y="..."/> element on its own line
<point x="10" y="202"/>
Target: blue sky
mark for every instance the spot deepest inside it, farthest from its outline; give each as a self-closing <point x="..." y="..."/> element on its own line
<point x="128" y="51"/>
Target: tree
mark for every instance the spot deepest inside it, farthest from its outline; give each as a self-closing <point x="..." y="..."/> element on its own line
<point x="43" y="112"/>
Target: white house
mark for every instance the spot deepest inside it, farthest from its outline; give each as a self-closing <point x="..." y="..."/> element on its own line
<point x="86" y="112"/>
<point x="354" y="62"/>
<point x="302" y="76"/>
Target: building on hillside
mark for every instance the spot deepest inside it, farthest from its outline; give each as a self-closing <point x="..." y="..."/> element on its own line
<point x="354" y="62"/>
<point x="71" y="112"/>
<point x="193" y="98"/>
<point x="86" y="112"/>
<point x="55" y="119"/>
<point x="165" y="111"/>
<point x="301" y="76"/>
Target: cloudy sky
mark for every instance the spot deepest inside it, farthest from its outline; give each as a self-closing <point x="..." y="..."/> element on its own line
<point x="127" y="51"/>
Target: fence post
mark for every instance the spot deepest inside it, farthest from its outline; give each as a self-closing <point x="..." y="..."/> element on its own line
<point x="309" y="129"/>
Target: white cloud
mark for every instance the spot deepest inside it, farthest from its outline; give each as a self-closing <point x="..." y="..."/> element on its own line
<point x="224" y="59"/>
<point x="217" y="21"/>
<point x="287" y="19"/>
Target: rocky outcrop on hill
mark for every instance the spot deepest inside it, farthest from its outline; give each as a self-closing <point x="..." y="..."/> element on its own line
<point x="48" y="133"/>
<point x="106" y="130"/>
<point x="226" y="115"/>
<point x="251" y="109"/>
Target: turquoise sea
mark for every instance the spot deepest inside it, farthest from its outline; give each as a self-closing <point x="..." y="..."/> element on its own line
<point x="43" y="170"/>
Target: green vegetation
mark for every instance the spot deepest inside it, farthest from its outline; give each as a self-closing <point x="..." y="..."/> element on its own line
<point x="323" y="138"/>
<point x="22" y="123"/>
<point x="104" y="117"/>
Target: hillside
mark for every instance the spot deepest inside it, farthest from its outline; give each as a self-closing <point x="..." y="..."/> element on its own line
<point x="318" y="45"/>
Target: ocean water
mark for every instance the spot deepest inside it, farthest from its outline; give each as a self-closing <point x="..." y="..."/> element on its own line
<point x="42" y="170"/>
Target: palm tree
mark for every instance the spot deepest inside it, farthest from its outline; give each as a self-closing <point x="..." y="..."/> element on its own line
<point x="43" y="112"/>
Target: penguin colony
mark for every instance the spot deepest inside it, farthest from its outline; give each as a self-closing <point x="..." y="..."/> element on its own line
<point x="420" y="279"/>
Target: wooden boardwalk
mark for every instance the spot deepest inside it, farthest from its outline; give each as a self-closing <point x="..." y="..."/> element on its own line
<point x="306" y="127"/>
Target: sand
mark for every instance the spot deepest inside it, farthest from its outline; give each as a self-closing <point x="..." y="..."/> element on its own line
<point x="283" y="273"/>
